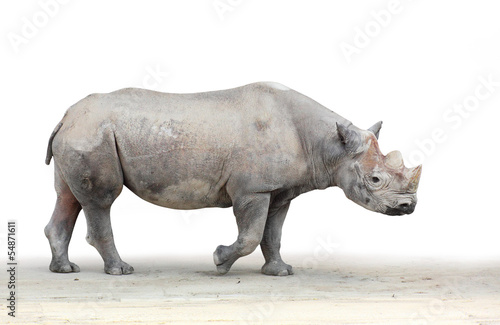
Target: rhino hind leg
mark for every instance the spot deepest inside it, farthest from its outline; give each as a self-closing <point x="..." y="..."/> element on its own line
<point x="100" y="235"/>
<point x="251" y="214"/>
<point x="60" y="227"/>
<point x="96" y="179"/>
<point x="271" y="243"/>
<point x="97" y="208"/>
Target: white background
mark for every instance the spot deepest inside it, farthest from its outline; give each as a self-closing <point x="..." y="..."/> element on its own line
<point x="429" y="56"/>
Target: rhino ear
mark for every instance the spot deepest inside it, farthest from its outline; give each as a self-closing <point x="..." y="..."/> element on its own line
<point x="345" y="135"/>
<point x="375" y="129"/>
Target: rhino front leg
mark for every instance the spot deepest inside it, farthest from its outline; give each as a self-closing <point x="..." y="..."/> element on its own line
<point x="251" y="214"/>
<point x="100" y="235"/>
<point x="271" y="243"/>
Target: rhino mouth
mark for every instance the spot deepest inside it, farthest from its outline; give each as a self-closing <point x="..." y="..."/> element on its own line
<point x="402" y="209"/>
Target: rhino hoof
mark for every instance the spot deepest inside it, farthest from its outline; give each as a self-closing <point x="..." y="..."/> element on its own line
<point x="63" y="268"/>
<point x="221" y="260"/>
<point x="222" y="269"/>
<point x="277" y="268"/>
<point x="217" y="259"/>
<point x="121" y="268"/>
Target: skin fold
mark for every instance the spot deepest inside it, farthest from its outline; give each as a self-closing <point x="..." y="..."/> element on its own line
<point x="254" y="148"/>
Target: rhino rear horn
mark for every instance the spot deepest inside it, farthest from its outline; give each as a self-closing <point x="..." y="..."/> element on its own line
<point x="394" y="159"/>
<point x="375" y="129"/>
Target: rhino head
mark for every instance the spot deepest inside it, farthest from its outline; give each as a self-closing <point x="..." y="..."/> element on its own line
<point x="377" y="182"/>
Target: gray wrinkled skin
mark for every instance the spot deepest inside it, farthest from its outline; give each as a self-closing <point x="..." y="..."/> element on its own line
<point x="254" y="148"/>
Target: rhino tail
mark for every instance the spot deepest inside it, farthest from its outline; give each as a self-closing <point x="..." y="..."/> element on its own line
<point x="49" y="148"/>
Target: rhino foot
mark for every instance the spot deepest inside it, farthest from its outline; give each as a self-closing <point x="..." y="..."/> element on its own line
<point x="223" y="260"/>
<point x="118" y="268"/>
<point x="278" y="268"/>
<point x="59" y="267"/>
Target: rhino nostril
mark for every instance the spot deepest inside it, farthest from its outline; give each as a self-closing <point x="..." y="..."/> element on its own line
<point x="407" y="207"/>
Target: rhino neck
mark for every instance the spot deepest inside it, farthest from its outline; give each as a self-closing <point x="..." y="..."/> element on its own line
<point x="326" y="155"/>
<point x="316" y="126"/>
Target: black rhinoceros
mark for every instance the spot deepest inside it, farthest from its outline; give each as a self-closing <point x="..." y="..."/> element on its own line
<point x="254" y="148"/>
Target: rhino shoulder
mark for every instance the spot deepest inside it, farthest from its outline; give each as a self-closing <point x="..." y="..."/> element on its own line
<point x="274" y="85"/>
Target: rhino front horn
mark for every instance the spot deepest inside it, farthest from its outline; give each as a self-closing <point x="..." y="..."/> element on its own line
<point x="414" y="178"/>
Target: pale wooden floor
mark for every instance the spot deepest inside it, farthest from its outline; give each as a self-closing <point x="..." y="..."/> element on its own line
<point x="346" y="290"/>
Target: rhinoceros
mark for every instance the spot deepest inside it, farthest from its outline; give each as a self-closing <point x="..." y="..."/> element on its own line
<point x="255" y="148"/>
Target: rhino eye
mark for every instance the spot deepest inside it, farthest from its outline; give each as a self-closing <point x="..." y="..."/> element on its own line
<point x="375" y="179"/>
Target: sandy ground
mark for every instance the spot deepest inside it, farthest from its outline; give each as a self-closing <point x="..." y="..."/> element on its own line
<point x="349" y="290"/>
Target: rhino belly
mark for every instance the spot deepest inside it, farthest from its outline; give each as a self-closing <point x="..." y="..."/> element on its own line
<point x="174" y="177"/>
<point x="187" y="194"/>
